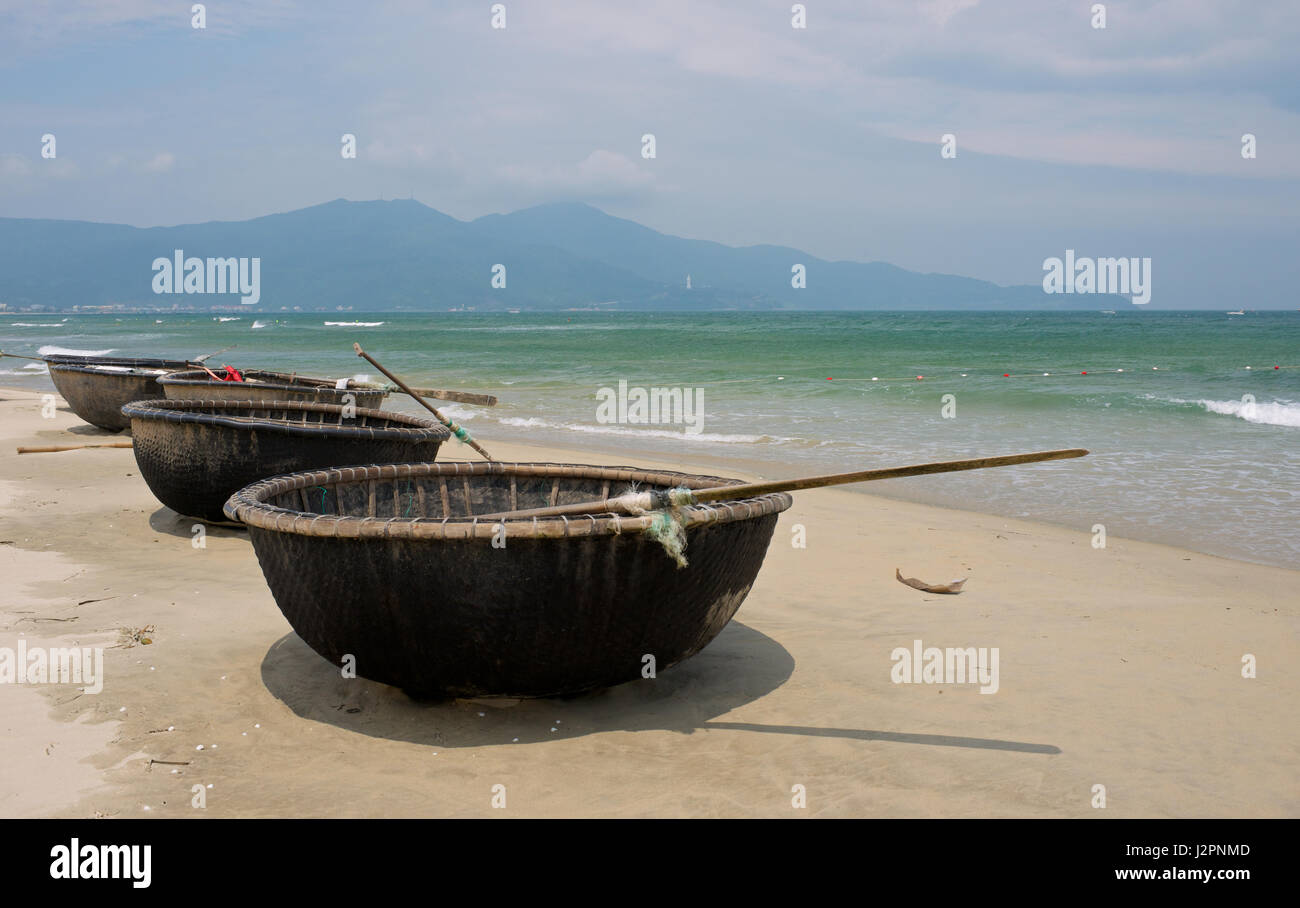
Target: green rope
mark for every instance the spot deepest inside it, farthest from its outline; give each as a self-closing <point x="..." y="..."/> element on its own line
<point x="410" y="499"/>
<point x="681" y="496"/>
<point x="666" y="529"/>
<point x="322" y="498"/>
<point x="459" y="432"/>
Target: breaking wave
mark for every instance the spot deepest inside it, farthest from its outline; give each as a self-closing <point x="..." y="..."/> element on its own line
<point x="51" y="350"/>
<point x="1273" y="413"/>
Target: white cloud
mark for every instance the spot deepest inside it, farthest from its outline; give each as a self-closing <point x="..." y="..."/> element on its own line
<point x="161" y="162"/>
<point x="940" y="11"/>
<point x="30" y="173"/>
<point x="602" y="174"/>
<point x="700" y="36"/>
<point x="14" y="165"/>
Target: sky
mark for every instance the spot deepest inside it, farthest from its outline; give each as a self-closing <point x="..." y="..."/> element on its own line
<point x="1117" y="141"/>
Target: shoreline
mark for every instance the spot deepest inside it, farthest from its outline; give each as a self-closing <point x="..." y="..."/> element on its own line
<point x="755" y="463"/>
<point x="1119" y="667"/>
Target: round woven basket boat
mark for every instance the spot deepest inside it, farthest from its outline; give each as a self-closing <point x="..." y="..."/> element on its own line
<point x="388" y="565"/>
<point x="194" y="453"/>
<point x="96" y="388"/>
<point x="142" y="362"/>
<point x="265" y="386"/>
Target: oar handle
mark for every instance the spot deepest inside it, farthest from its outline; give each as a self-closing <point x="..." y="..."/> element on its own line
<point x="456" y="430"/>
<point x="636" y="502"/>
<point x="754" y="489"/>
<point x="50" y="449"/>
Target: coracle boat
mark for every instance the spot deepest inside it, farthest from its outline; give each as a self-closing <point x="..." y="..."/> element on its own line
<point x="390" y="565"/>
<point x="96" y="388"/>
<point x="195" y="454"/>
<point x="87" y="359"/>
<point x="268" y="386"/>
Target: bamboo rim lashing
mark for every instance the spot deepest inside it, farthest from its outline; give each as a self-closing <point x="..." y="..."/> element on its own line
<point x="153" y="368"/>
<point x="260" y="415"/>
<point x="91" y="360"/>
<point x="251" y="505"/>
<point x="263" y="380"/>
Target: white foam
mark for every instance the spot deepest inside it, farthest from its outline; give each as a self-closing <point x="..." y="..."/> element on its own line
<point x="454" y="412"/>
<point x="354" y="324"/>
<point x="1273" y="413"/>
<point x="51" y="350"/>
<point x="533" y="422"/>
<point x="37" y="324"/>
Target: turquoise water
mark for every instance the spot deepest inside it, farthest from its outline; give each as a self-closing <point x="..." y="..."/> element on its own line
<point x="1180" y="453"/>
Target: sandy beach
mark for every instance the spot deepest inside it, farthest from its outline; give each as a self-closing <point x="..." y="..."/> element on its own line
<point x="1119" y="667"/>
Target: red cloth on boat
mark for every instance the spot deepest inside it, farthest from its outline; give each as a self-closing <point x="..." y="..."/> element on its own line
<point x="231" y="374"/>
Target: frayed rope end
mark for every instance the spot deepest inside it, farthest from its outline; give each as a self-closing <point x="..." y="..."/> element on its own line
<point x="667" y="530"/>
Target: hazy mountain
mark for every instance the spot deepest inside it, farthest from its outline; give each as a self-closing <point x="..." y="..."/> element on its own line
<point x="405" y="255"/>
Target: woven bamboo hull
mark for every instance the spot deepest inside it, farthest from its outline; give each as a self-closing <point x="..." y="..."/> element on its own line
<point x="265" y="386"/>
<point x="192" y="465"/>
<point x="447" y="617"/>
<point x="98" y="396"/>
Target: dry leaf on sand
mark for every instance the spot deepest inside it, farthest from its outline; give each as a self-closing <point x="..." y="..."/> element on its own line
<point x="954" y="587"/>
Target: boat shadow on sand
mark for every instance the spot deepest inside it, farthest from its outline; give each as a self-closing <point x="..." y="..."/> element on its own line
<point x="165" y="520"/>
<point x="740" y="666"/>
<point x="95" y="431"/>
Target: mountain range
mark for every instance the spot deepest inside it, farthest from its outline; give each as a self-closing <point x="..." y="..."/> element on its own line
<point x="402" y="254"/>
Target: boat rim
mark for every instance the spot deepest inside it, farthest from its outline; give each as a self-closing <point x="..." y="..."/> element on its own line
<point x="193" y="411"/>
<point x="137" y="362"/>
<point x="123" y="368"/>
<point x="249" y="505"/>
<point x="181" y="378"/>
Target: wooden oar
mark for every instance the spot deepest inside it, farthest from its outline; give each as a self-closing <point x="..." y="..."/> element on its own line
<point x="455" y="429"/>
<point x="35" y="359"/>
<point x="460" y="397"/>
<point x="207" y="356"/>
<point x="638" y="502"/>
<point x="50" y="449"/>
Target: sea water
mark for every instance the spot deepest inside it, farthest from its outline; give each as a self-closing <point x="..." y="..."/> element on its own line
<point x="1189" y="446"/>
